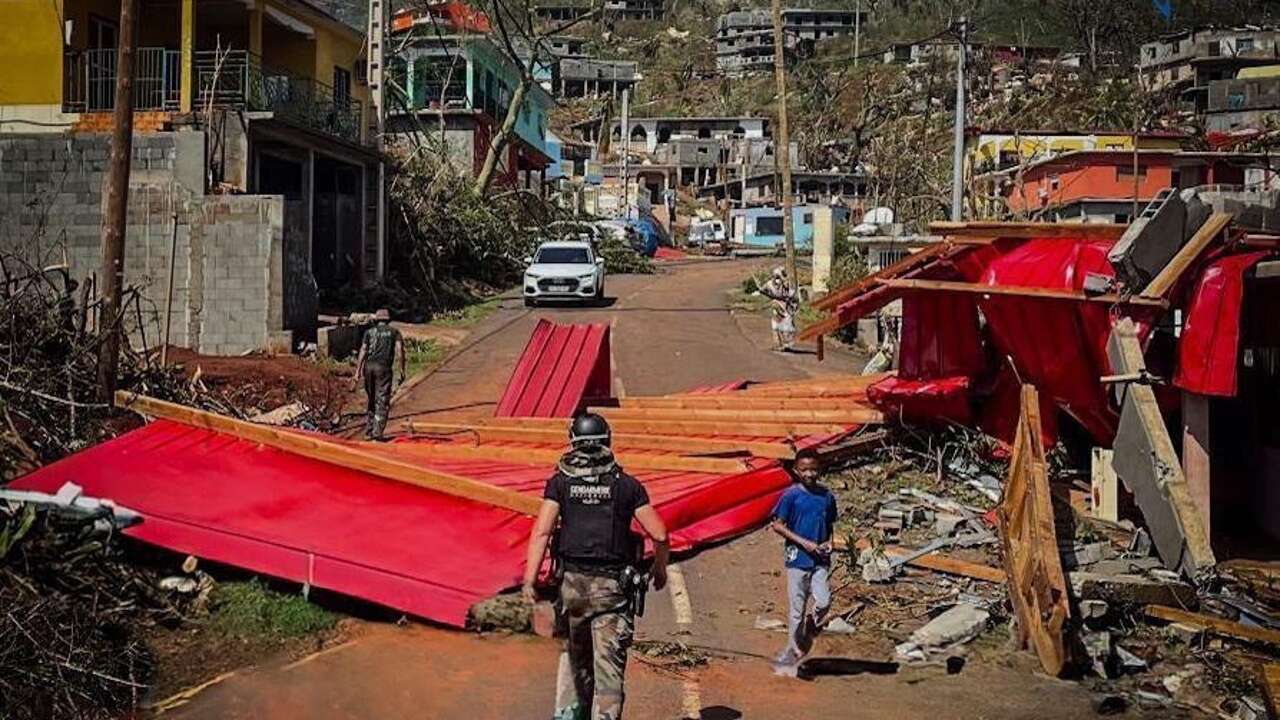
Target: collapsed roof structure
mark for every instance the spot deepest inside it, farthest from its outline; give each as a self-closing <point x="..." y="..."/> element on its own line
<point x="1133" y="336"/>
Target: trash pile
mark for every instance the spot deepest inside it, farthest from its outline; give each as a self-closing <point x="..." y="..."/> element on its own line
<point x="72" y="609"/>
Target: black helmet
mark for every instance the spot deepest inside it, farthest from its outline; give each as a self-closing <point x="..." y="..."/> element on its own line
<point x="589" y="429"/>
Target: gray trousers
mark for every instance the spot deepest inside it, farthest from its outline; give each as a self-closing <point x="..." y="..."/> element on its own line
<point x="802" y="627"/>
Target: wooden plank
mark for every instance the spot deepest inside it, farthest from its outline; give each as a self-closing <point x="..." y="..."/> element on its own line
<point x="735" y="401"/>
<point x="1218" y="625"/>
<point x="559" y="438"/>
<point x="996" y="230"/>
<point x="912" y="261"/>
<point x="1104" y="487"/>
<point x="691" y="427"/>
<point x="854" y="415"/>
<point x="1168" y="276"/>
<point x="1019" y="291"/>
<point x="1033" y="568"/>
<point x="1270" y="683"/>
<point x="341" y="454"/>
<point x="935" y="561"/>
<point x="551" y="456"/>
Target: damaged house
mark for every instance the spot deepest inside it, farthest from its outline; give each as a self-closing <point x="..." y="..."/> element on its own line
<point x="1176" y="368"/>
<point x="254" y="176"/>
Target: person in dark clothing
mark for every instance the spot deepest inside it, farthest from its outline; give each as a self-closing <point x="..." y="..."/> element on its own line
<point x="595" y="502"/>
<point x="378" y="351"/>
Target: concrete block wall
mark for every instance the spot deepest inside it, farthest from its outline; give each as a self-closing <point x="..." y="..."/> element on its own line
<point x="227" y="249"/>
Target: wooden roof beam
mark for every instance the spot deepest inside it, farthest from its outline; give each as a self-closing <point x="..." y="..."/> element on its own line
<point x="342" y="454"/>
<point x="988" y="232"/>
<point x="549" y="457"/>
<point x="559" y="438"/>
<point x="1019" y="291"/>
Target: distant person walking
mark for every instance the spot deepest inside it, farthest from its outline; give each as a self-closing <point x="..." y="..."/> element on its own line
<point x="804" y="517"/>
<point x="785" y="303"/>
<point x="378" y="352"/>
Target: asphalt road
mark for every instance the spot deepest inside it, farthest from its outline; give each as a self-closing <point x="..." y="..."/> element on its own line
<point x="671" y="331"/>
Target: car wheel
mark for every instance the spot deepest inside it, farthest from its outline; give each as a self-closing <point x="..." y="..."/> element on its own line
<point x="530" y="302"/>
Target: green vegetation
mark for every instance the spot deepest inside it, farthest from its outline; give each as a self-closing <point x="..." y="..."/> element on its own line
<point x="421" y="354"/>
<point x="253" y="610"/>
<point x="467" y="315"/>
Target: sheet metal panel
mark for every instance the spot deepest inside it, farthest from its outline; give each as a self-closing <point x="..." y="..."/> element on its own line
<point x="562" y="369"/>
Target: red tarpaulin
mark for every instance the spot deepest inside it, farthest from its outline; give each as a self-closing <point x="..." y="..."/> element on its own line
<point x="1209" y="350"/>
<point x="415" y="550"/>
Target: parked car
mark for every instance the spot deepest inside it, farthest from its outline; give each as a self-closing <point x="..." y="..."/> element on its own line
<point x="706" y="232"/>
<point x="564" y="270"/>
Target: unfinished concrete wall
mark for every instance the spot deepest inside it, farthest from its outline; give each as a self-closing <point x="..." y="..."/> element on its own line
<point x="228" y="289"/>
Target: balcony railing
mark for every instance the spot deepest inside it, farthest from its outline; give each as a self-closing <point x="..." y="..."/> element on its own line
<point x="89" y="80"/>
<point x="238" y="79"/>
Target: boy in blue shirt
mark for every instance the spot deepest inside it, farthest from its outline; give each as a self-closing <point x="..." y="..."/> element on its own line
<point x="804" y="517"/>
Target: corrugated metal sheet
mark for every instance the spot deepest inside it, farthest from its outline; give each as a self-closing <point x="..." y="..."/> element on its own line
<point x="1209" y="350"/>
<point x="412" y="549"/>
<point x="562" y="369"/>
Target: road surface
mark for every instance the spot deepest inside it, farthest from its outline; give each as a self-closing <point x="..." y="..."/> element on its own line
<point x="671" y="331"/>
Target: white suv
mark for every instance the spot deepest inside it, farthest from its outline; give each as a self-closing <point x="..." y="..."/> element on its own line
<point x="564" y="270"/>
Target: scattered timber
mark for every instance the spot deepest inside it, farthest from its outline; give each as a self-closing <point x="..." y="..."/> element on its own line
<point x="550" y="456"/>
<point x="706" y="427"/>
<point x="853" y="415"/>
<point x="1218" y="625"/>
<point x="1035" y="293"/>
<point x="559" y="436"/>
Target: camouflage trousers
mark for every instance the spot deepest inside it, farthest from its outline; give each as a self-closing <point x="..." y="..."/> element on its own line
<point x="377" y="385"/>
<point x="601" y="627"/>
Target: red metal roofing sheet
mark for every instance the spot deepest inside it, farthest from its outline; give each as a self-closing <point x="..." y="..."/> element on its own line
<point x="1209" y="350"/>
<point x="409" y="548"/>
<point x="562" y="369"/>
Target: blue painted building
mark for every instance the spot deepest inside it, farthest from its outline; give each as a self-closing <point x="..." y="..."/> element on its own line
<point x="762" y="227"/>
<point x="469" y="82"/>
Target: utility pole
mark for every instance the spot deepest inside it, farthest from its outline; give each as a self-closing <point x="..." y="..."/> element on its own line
<point x="782" y="151"/>
<point x="957" y="154"/>
<point x="857" y="32"/>
<point x="115" y="206"/>
<point x="626" y="151"/>
<point x="376" y="64"/>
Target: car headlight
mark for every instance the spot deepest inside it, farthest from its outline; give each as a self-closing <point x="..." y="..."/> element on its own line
<point x="587" y="278"/>
<point x="532" y="276"/>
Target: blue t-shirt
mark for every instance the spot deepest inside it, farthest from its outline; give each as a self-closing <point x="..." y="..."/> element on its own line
<point x="810" y="515"/>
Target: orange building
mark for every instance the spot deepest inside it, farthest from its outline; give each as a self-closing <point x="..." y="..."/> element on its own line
<point x="1100" y="185"/>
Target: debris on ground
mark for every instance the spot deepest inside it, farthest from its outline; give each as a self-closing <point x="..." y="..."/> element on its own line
<point x="670" y="655"/>
<point x="71" y="643"/>
<point x="958" y="625"/>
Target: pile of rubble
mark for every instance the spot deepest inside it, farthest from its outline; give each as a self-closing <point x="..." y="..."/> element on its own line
<point x="950" y="536"/>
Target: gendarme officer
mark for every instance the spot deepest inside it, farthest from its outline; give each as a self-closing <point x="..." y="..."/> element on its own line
<point x="600" y="557"/>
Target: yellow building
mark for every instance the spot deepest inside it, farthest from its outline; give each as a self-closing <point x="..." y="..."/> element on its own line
<point x="988" y="151"/>
<point x="58" y="57"/>
<point x="255" y="173"/>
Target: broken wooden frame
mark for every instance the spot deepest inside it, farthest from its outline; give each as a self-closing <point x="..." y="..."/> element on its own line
<point x="1036" y="293"/>
<point x="1037" y="586"/>
<point x="316" y="447"/>
<point x="851" y="415"/>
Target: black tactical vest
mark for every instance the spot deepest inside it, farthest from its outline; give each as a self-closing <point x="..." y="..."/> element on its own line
<point x="595" y="527"/>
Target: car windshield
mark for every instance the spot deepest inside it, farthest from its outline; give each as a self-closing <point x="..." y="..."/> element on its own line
<point x="563" y="256"/>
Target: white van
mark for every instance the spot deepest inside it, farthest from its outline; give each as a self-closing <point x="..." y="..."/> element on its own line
<point x="704" y="232"/>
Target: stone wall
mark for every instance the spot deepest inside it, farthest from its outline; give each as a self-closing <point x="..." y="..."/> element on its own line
<point x="228" y="251"/>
